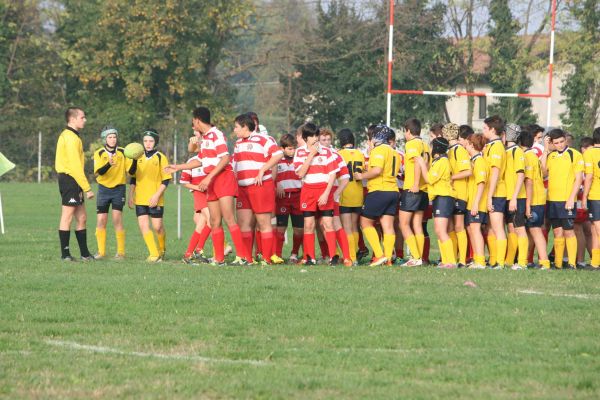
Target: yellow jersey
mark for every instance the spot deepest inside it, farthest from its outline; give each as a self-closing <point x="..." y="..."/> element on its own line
<point x="480" y="175"/>
<point x="388" y="159"/>
<point x="591" y="159"/>
<point x="533" y="171"/>
<point x="412" y="149"/>
<point x="148" y="176"/>
<point x="439" y="177"/>
<point x="562" y="168"/>
<point x="352" y="196"/>
<point x="459" y="162"/>
<point x="110" y="175"/>
<point x="495" y="156"/>
<point x="69" y="157"/>
<point x="515" y="164"/>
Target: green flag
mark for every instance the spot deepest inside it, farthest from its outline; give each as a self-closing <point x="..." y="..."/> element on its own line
<point x="5" y="165"/>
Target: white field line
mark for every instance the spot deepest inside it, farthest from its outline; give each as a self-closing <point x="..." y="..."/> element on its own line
<point x="365" y="350"/>
<point x="577" y="296"/>
<point x="109" y="350"/>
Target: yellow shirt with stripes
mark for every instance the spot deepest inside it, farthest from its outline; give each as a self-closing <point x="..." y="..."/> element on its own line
<point x="459" y="162"/>
<point x="352" y="196"/>
<point x="388" y="159"/>
<point x="414" y="148"/>
<point x="480" y="175"/>
<point x="533" y="171"/>
<point x="515" y="163"/>
<point x="591" y="159"/>
<point x="562" y="168"/>
<point x="494" y="154"/>
<point x="69" y="157"/>
<point x="148" y="178"/>
<point x="115" y="174"/>
<point x="439" y="177"/>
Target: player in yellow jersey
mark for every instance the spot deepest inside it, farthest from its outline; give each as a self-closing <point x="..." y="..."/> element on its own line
<point x="477" y="199"/>
<point x="535" y="191"/>
<point x="414" y="200"/>
<point x="148" y="185"/>
<point x="494" y="154"/>
<point x="439" y="179"/>
<point x="564" y="167"/>
<point x="460" y="165"/>
<point x="591" y="192"/>
<point x="516" y="199"/>
<point x="352" y="198"/>
<point x="381" y="202"/>
<point x="110" y="168"/>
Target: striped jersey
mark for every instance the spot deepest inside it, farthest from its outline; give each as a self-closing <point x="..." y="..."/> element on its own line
<point x="287" y="179"/>
<point x="250" y="155"/>
<point x="343" y="172"/>
<point x="322" y="165"/>
<point x="193" y="176"/>
<point x="212" y="148"/>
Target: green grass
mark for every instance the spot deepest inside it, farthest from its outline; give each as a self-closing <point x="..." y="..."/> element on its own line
<point x="171" y="330"/>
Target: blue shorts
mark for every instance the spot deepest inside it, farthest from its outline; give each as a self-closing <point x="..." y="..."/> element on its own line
<point x="412" y="202"/>
<point x="443" y="207"/>
<point x="499" y="204"/>
<point x="538" y="214"/>
<point x="380" y="203"/>
<point x="460" y="207"/>
<point x="517" y="218"/>
<point x="557" y="210"/>
<point x="480" y="218"/>
<point x="153" y="212"/>
<point x="594" y="210"/>
<point x="107" y="196"/>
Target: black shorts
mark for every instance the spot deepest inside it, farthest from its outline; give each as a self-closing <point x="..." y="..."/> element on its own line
<point x="107" y="196"/>
<point x="517" y="218"/>
<point x="297" y="220"/>
<point x="594" y="210"/>
<point x="380" y="203"/>
<point x="350" y="210"/>
<point x="411" y="202"/>
<point x="499" y="204"/>
<point x="153" y="212"/>
<point x="443" y="207"/>
<point x="480" y="218"/>
<point x="538" y="214"/>
<point x="70" y="192"/>
<point x="460" y="207"/>
<point x="557" y="210"/>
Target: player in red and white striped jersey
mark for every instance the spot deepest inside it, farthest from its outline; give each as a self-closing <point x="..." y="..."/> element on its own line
<point x="254" y="157"/>
<point x="317" y="168"/>
<point x="288" y="185"/>
<point x="219" y="184"/>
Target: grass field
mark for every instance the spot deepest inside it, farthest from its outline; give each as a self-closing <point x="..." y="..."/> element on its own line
<point x="131" y="329"/>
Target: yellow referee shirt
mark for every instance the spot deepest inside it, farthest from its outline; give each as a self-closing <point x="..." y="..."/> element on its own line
<point x="562" y="168"/>
<point x="515" y="163"/>
<point x="591" y="159"/>
<point x="352" y="196"/>
<point x="459" y="162"/>
<point x="533" y="171"/>
<point x="110" y="175"/>
<point x="69" y="157"/>
<point x="388" y="159"/>
<point x="149" y="175"/>
<point x="414" y="148"/>
<point x="439" y="177"/>
<point x="479" y="176"/>
<point x="495" y="156"/>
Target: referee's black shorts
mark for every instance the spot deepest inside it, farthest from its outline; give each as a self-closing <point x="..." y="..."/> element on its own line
<point x="70" y="192"/>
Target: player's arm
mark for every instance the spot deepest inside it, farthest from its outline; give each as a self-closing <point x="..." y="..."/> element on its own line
<point x="130" y="201"/>
<point x="195" y="163"/>
<point x="512" y="205"/>
<point x="77" y="168"/>
<point x="269" y="165"/>
<point x="495" y="172"/>
<point x="578" y="167"/>
<point x="301" y="172"/>
<point x="323" y="198"/>
<point x="100" y="168"/>
<point x="419" y="170"/>
<point x="589" y="178"/>
<point x="544" y="157"/>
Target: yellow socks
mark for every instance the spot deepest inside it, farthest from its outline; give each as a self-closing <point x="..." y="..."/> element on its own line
<point x="511" y="249"/>
<point x="151" y="244"/>
<point x="492" y="248"/>
<point x="370" y="233"/>
<point x="559" y="251"/>
<point x="572" y="250"/>
<point x="420" y="244"/>
<point x="595" y="258"/>
<point x="463" y="244"/>
<point x="351" y="246"/>
<point x="161" y="242"/>
<point x="454" y="239"/>
<point x="411" y="243"/>
<point x="544" y="263"/>
<point x="120" y="242"/>
<point x="500" y="251"/>
<point x="101" y="240"/>
<point x="523" y="246"/>
<point x="479" y="259"/>
<point x="448" y="256"/>
<point x="389" y="242"/>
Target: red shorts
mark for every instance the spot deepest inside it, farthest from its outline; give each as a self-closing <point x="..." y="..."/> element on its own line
<point x="259" y="199"/>
<point x="309" y="197"/>
<point x="288" y="205"/>
<point x="222" y="185"/>
<point x="581" y="215"/>
<point x="199" y="200"/>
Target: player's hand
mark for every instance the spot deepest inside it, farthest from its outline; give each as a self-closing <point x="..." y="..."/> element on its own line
<point x="546" y="143"/>
<point x="323" y="199"/>
<point x="280" y="193"/>
<point x="569" y="204"/>
<point x="474" y="211"/>
<point x="490" y="205"/>
<point x="170" y="169"/>
<point x="358" y="176"/>
<point x="414" y="189"/>
<point x="112" y="160"/>
<point x="336" y="196"/>
<point x="259" y="178"/>
<point x="315" y="148"/>
<point x="153" y="202"/>
<point x="528" y="211"/>
<point x="584" y="204"/>
<point x="194" y="139"/>
<point x="203" y="186"/>
<point x="130" y="202"/>
<point x="512" y="205"/>
<point x="89" y="195"/>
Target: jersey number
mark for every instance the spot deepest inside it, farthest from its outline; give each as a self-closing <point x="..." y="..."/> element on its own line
<point x="354" y="167"/>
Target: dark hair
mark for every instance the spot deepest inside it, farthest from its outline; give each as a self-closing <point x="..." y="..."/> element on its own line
<point x="556" y="134"/>
<point x="71" y="113"/>
<point x="254" y="117"/>
<point x="477" y="140"/>
<point x="439" y="145"/>
<point x="496" y="123"/>
<point x="153" y="133"/>
<point x="596" y="135"/>
<point x="526" y="138"/>
<point x="308" y="130"/>
<point x="586" y="142"/>
<point x="464" y="131"/>
<point x="288" y="140"/>
<point x="413" y="125"/>
<point x="346" y="137"/>
<point x="245" y="120"/>
<point x="436" y="129"/>
<point x="202" y="113"/>
<point x="370" y="131"/>
<point x="533" y="128"/>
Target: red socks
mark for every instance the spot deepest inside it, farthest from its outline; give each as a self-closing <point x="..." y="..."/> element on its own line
<point x="203" y="237"/>
<point x="323" y="245"/>
<point x="297" y="242"/>
<point x="279" y="239"/>
<point x="426" y="246"/>
<point x="267" y="243"/>
<point x="238" y="242"/>
<point x="192" y="244"/>
<point x="331" y="244"/>
<point x="342" y="239"/>
<point x="309" y="246"/>
<point x="218" y="238"/>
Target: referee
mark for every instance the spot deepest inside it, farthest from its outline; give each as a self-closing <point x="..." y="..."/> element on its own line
<point x="72" y="183"/>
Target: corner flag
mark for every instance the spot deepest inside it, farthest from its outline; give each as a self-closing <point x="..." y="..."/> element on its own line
<point x="5" y="164"/>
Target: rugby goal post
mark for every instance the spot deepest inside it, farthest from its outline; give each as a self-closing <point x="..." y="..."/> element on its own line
<point x="390" y="64"/>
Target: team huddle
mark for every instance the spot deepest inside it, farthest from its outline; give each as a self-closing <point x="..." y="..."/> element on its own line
<point x="503" y="189"/>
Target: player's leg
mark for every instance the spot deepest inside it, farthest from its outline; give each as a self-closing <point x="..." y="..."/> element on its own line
<point x="227" y="209"/>
<point x="144" y="225"/>
<point x="570" y="241"/>
<point x="101" y="222"/>
<point x="80" y="231"/>
<point x="64" y="230"/>
<point x="478" y="243"/>
<point x="308" y="244"/>
<point x="117" y="218"/>
<point x="417" y="228"/>
<point x="282" y="224"/>
<point x="461" y="237"/>
<point x="499" y="237"/>
<point x="350" y="229"/>
<point x="407" y="233"/>
<point x="559" y="243"/>
<point x="595" y="262"/>
<point x="297" y="237"/>
<point x="342" y="239"/>
<point x="217" y="233"/>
